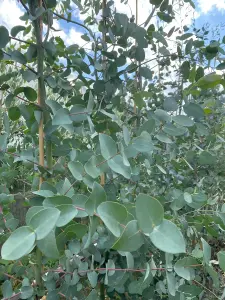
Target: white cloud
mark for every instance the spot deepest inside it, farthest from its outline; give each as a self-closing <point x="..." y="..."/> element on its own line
<point x="144" y="9"/>
<point x="10" y="11"/>
<point x="74" y="37"/>
<point x="206" y="5"/>
<point x="71" y="36"/>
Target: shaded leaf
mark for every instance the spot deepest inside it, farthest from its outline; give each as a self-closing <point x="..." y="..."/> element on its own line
<point x="4" y="36"/>
<point x="209" y="81"/>
<point x="194" y="110"/>
<point x="16" y="29"/>
<point x="183" y="121"/>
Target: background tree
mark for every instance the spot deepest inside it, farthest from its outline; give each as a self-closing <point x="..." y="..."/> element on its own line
<point x="123" y="154"/>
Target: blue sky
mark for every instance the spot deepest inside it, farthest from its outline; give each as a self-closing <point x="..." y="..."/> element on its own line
<point x="211" y="12"/>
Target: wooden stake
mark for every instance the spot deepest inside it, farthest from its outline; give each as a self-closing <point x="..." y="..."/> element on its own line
<point x="40" y="94"/>
<point x="104" y="65"/>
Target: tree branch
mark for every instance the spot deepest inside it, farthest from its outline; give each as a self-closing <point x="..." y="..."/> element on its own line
<point x="24" y="6"/>
<point x="74" y="22"/>
<point x="22" y="41"/>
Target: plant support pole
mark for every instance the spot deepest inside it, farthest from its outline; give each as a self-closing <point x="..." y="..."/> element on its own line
<point x="38" y="28"/>
<point x="136" y="73"/>
<point x="41" y="102"/>
<point x="104" y="63"/>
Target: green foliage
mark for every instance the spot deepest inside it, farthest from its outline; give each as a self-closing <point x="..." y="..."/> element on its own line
<point x="126" y="200"/>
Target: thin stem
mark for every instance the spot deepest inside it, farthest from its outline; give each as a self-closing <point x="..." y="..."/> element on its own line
<point x="15" y="296"/>
<point x="29" y="68"/>
<point x="206" y="289"/>
<point x="138" y="69"/>
<point x="121" y="270"/>
<point x="102" y="291"/>
<point x="74" y="22"/>
<point x="24" y="6"/>
<point x="27" y="101"/>
<point x="12" y="277"/>
<point x="61" y="294"/>
<point x="22" y="41"/>
<point x="48" y="28"/>
<point x="104" y="3"/>
<point x="38" y="268"/>
<point x="17" y="155"/>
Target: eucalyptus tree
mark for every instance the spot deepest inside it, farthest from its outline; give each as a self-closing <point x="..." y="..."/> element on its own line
<point x="118" y="210"/>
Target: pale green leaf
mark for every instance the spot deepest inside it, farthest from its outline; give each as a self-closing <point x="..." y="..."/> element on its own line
<point x="173" y="130"/>
<point x="184" y="269"/>
<point x="187" y="197"/>
<point x="48" y="246"/>
<point x="44" y="221"/>
<point x="26" y="292"/>
<point x="93" y="278"/>
<point x="190" y="290"/>
<point x="107" y="145"/>
<point x="67" y="213"/>
<point x="126" y="135"/>
<point x="183" y="121"/>
<point x="113" y="215"/>
<point x="143" y="143"/>
<point x="160" y="38"/>
<point x="163" y="138"/>
<point x="147" y="126"/>
<point x="206" y="251"/>
<point x="62" y="117"/>
<point x="131" y="238"/>
<point x="31" y="212"/>
<point x="77" y="169"/>
<point x="97" y="196"/>
<point x="7" y="289"/>
<point x="149" y="212"/>
<point x="91" y="167"/>
<point x="171" y="283"/>
<point x="221" y="258"/>
<point x="44" y="193"/>
<point x="18" y="57"/>
<point x="78" y="113"/>
<point x="117" y="165"/>
<point x="20" y="242"/>
<point x="168" y="238"/>
<point x="79" y="230"/>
